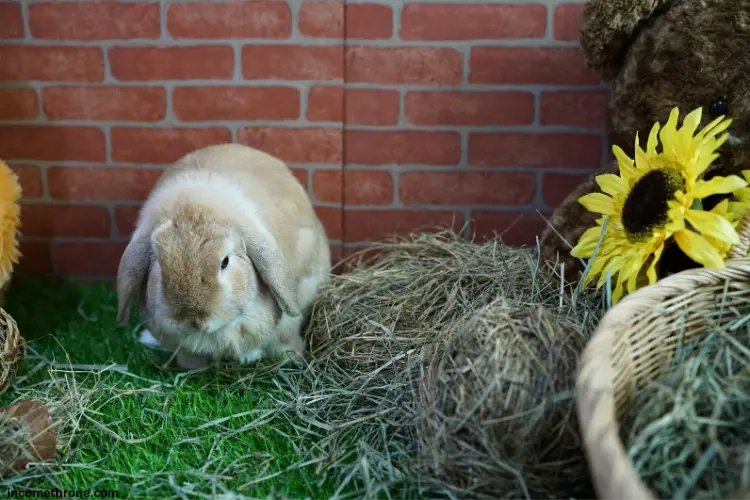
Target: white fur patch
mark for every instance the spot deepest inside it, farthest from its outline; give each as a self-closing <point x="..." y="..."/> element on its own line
<point x="147" y="338"/>
<point x="251" y="356"/>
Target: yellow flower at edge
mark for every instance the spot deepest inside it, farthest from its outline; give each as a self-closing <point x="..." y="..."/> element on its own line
<point x="652" y="201"/>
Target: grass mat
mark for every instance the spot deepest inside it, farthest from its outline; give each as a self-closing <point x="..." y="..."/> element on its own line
<point x="138" y="430"/>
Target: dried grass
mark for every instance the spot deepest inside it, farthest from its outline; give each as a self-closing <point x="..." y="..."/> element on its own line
<point x="408" y="390"/>
<point x="396" y="415"/>
<point x="687" y="432"/>
<point x="497" y="406"/>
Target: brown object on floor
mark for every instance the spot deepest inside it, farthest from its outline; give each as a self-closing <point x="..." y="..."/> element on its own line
<point x="26" y="435"/>
<point x="12" y="349"/>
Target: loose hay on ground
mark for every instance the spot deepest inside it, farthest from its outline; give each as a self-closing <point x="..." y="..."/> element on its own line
<point x="374" y="331"/>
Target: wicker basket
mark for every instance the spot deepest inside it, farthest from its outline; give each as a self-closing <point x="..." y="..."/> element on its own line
<point x="633" y="345"/>
<point x="12" y="349"/>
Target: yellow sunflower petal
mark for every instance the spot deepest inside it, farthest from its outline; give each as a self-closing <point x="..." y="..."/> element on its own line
<point x="701" y="164"/>
<point x="619" y="290"/>
<point x="642" y="161"/>
<point x="633" y="270"/>
<point x="713" y="225"/>
<point x="668" y="133"/>
<point x="612" y="184"/>
<point x="653" y="140"/>
<point x="651" y="272"/>
<point x="599" y="203"/>
<point x="718" y="185"/>
<point x="692" y="120"/>
<point x="715" y="127"/>
<point x="587" y="243"/>
<point x="626" y="163"/>
<point x="697" y="248"/>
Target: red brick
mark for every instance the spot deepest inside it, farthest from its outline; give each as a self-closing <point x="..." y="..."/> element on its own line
<point x="101" y="183"/>
<point x="469" y="108"/>
<point x="376" y="225"/>
<point x="162" y="145"/>
<point x="337" y="253"/>
<point x="30" y="178"/>
<point x="423" y="21"/>
<point x="368" y="21"/>
<point x="22" y="63"/>
<point x="325" y="104"/>
<point x="18" y="104"/>
<point x="515" y="228"/>
<point x="556" y="187"/>
<point x="567" y="22"/>
<point x="88" y="259"/>
<point x="301" y="174"/>
<point x="362" y="106"/>
<point x="259" y="19"/>
<point x="359" y="187"/>
<point x="48" y="142"/>
<point x="105" y="103"/>
<point x="125" y="219"/>
<point x="370" y="147"/>
<point x="107" y="20"/>
<point x="236" y="103"/>
<point x="576" y="109"/>
<point x="404" y="65"/>
<point x="325" y="19"/>
<point x="535" y="150"/>
<point x="466" y="188"/>
<point x="295" y="145"/>
<point x="331" y="219"/>
<point x="12" y="25"/>
<point x="171" y="63"/>
<point x="530" y="66"/>
<point x="64" y="220"/>
<point x="36" y="259"/>
<point x="292" y="62"/>
<point x="371" y="107"/>
<point x="327" y="186"/>
<point x="322" y="19"/>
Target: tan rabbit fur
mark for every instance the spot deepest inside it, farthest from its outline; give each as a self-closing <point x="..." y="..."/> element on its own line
<point x="227" y="256"/>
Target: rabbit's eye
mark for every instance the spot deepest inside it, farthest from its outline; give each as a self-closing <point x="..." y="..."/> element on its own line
<point x="225" y="263"/>
<point x="720" y="107"/>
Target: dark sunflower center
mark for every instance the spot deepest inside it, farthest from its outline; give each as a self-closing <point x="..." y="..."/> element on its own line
<point x="646" y="207"/>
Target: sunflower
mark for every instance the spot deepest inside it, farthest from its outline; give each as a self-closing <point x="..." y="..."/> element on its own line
<point x="656" y="199"/>
<point x="742" y="196"/>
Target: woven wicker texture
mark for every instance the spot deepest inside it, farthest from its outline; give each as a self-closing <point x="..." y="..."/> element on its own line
<point x="12" y="349"/>
<point x="634" y="344"/>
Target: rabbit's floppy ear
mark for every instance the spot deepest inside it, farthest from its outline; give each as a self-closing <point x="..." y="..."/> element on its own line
<point x="132" y="273"/>
<point x="269" y="260"/>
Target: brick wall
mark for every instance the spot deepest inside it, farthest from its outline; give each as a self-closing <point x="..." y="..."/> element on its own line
<point x="395" y="115"/>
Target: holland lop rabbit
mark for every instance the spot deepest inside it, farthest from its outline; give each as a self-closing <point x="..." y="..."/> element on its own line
<point x="227" y="256"/>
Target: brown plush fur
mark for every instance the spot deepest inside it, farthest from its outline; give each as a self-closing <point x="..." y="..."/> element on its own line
<point x="656" y="55"/>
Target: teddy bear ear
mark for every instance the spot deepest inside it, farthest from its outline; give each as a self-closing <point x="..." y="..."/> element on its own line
<point x="609" y="27"/>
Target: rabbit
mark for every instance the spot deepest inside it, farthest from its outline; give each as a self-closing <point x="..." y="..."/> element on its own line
<point x="226" y="258"/>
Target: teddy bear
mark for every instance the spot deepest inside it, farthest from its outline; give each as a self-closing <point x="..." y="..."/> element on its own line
<point x="656" y="55"/>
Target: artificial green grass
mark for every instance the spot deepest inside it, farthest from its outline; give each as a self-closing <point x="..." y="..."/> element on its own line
<point x="146" y="432"/>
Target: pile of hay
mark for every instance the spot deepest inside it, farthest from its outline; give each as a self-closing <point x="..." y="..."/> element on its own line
<point x="687" y="433"/>
<point x="446" y="366"/>
<point x="497" y="413"/>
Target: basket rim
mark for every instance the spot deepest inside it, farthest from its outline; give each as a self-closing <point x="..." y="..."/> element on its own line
<point x="612" y="472"/>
